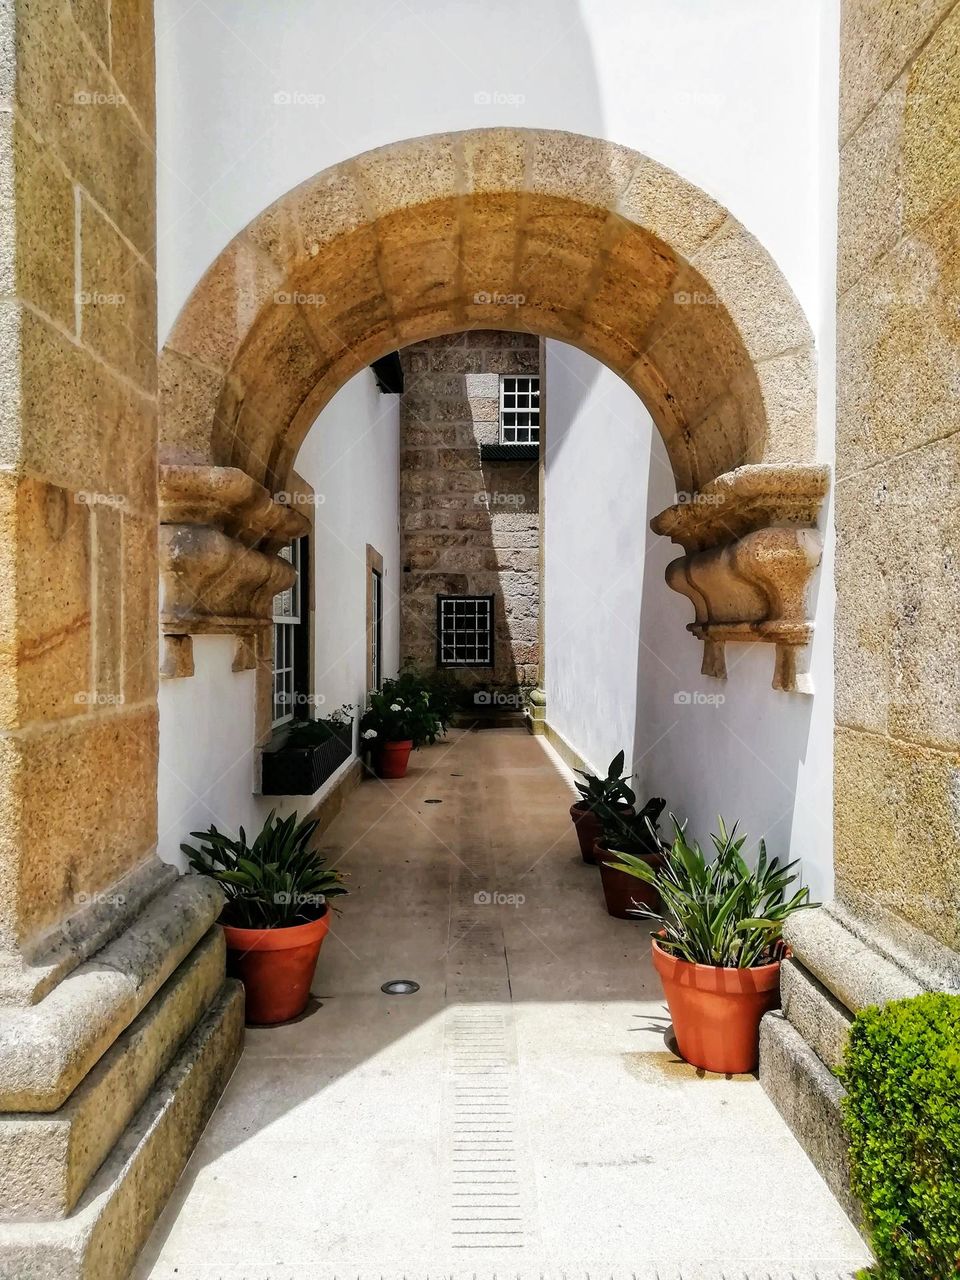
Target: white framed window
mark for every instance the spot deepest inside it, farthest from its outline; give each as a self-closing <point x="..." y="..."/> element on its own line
<point x="465" y="631"/>
<point x="287" y="618"/>
<point x="519" y="408"/>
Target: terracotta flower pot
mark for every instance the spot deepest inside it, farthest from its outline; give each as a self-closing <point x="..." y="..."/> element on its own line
<point x="391" y="760"/>
<point x="621" y="890"/>
<point x="716" y="1012"/>
<point x="588" y="829"/>
<point x="276" y="967"/>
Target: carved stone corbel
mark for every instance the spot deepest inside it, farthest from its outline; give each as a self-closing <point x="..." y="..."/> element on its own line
<point x="751" y="546"/>
<point x="220" y="532"/>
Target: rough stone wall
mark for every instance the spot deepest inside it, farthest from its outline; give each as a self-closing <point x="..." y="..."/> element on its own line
<point x="898" y="462"/>
<point x="466" y="527"/>
<point x="78" y="566"/>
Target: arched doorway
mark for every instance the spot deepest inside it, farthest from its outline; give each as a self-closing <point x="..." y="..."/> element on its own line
<point x="558" y="234"/>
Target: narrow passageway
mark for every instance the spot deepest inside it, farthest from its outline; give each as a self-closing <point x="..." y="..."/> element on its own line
<point x="522" y="1114"/>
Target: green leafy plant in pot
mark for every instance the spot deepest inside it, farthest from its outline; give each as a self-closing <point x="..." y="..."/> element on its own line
<point x="276" y="914"/>
<point x="600" y="797"/>
<point x="396" y="722"/>
<point x="633" y="835"/>
<point x="719" y="943"/>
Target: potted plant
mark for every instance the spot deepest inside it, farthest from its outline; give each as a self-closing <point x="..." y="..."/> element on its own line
<point x="597" y="797"/>
<point x="634" y="835"/>
<point x="719" y="945"/>
<point x="276" y="913"/>
<point x="397" y="721"/>
<point x="445" y="691"/>
<point x="306" y="753"/>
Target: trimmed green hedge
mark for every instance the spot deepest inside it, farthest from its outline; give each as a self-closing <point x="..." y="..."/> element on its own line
<point x="901" y="1072"/>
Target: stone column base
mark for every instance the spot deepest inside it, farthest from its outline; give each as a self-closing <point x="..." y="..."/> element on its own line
<point x="846" y="955"/>
<point x="107" y="1084"/>
<point x="537" y="712"/>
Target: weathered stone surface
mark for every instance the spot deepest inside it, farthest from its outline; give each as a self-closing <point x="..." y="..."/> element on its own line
<point x="117" y="300"/>
<point x="132" y="57"/>
<point x="740" y="273"/>
<point x="224" y="306"/>
<point x="808" y="1097"/>
<point x="107" y="554"/>
<point x="34" y="264"/>
<point x="139" y="660"/>
<point x="46" y="644"/>
<point x="856" y="973"/>
<point x="70" y="101"/>
<point x="863" y="633"/>
<point x="931" y="124"/>
<point x="905" y="797"/>
<point x="27" y="975"/>
<point x="49" y="1160"/>
<point x="189" y="393"/>
<point x="819" y="1017"/>
<point x="101" y="1238"/>
<point x="66" y="836"/>
<point x="48" y="1048"/>
<point x="475" y="524"/>
<point x="878" y="38"/>
<point x="898" y="346"/>
<point x="676" y="213"/>
<point x="65" y="417"/>
<point x="871" y="188"/>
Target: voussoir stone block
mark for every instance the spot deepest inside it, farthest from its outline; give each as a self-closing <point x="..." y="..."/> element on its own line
<point x="47" y="1161"/>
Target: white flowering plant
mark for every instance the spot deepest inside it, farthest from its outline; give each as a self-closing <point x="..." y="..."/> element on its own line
<point x="397" y="713"/>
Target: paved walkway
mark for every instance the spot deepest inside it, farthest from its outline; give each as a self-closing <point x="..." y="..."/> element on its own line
<point x="522" y="1115"/>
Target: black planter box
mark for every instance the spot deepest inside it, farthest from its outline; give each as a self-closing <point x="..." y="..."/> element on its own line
<point x="300" y="771"/>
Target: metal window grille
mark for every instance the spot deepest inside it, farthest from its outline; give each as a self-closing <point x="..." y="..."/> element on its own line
<point x="286" y="617"/>
<point x="465" y="631"/>
<point x="519" y="409"/>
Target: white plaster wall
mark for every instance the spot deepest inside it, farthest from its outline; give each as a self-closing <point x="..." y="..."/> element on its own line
<point x="621" y="671"/>
<point x="725" y="93"/>
<point x="208" y="761"/>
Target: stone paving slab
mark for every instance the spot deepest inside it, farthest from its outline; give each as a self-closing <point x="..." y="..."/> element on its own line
<point x="523" y="1115"/>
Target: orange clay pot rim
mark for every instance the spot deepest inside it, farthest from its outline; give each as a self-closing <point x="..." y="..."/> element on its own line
<point x="717" y="968"/>
<point x="280" y="939"/>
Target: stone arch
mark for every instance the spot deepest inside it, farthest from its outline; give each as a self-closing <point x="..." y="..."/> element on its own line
<point x="563" y="235"/>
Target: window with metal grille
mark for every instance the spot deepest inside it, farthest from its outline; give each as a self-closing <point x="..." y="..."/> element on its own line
<point x="289" y="660"/>
<point x="519" y="409"/>
<point x="465" y="631"/>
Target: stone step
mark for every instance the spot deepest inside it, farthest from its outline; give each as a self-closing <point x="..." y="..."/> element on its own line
<point x="808" y="1097"/>
<point x="101" y="1238"/>
<point x="48" y="1160"/>
<point x="48" y="1048"/>
<point x="819" y="1017"/>
<point x="489" y="718"/>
